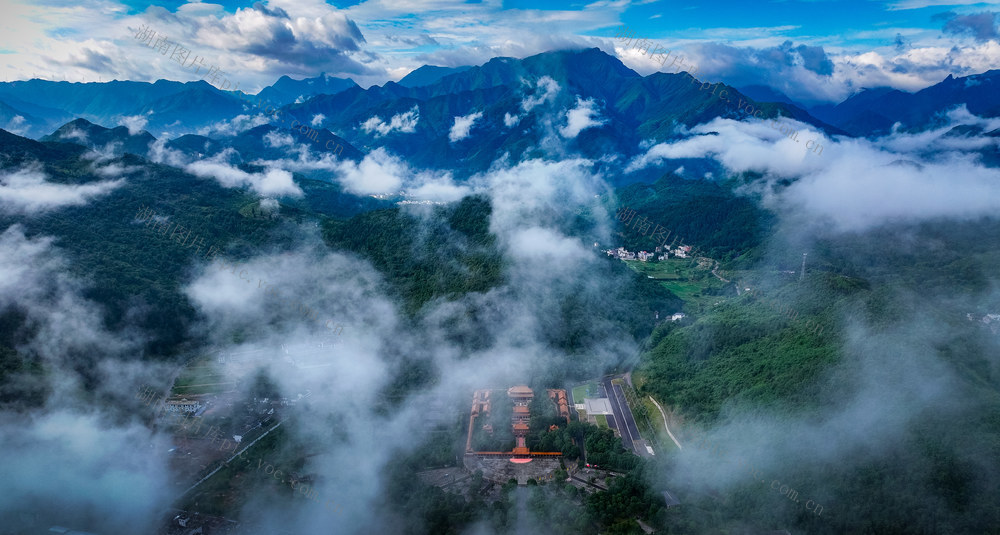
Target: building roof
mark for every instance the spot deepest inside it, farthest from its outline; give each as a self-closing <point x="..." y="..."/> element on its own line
<point x="597" y="406"/>
<point x="519" y="390"/>
<point x="520" y="408"/>
<point x="520" y="427"/>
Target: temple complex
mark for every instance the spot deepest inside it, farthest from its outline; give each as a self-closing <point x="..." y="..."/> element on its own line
<point x="502" y="465"/>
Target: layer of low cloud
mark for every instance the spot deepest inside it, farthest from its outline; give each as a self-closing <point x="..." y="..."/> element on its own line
<point x="28" y="191"/>
<point x="269" y="182"/>
<point x="73" y="459"/>
<point x="845" y="186"/>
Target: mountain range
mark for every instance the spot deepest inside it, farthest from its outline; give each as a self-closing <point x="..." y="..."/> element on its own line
<point x="510" y="95"/>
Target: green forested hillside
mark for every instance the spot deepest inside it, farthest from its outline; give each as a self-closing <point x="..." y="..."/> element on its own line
<point x="704" y="214"/>
<point x="754" y="352"/>
<point x="453" y="256"/>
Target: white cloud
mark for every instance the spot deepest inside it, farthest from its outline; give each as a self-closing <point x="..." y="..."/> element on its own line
<point x="116" y="170"/>
<point x="89" y="448"/>
<point x="580" y="118"/>
<point x="546" y="91"/>
<point x="317" y="120"/>
<point x="510" y="120"/>
<point x="403" y="122"/>
<point x="134" y="123"/>
<point x="850" y="184"/>
<point x="276" y="138"/>
<point x="534" y="192"/>
<point x="75" y="133"/>
<point x="381" y="172"/>
<point x="160" y="153"/>
<point x="543" y="245"/>
<point x="435" y="187"/>
<point x="269" y="205"/>
<point x="460" y="130"/>
<point x="27" y="191"/>
<point x="270" y="182"/>
<point x="234" y="126"/>
<point x="749" y="145"/>
<point x="378" y="172"/>
<point x="16" y="125"/>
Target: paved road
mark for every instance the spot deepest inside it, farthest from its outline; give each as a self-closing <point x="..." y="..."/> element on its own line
<point x="629" y="420"/>
<point x="623" y="416"/>
<point x="612" y="421"/>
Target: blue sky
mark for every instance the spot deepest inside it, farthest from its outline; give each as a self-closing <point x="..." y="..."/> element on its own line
<point x="814" y="51"/>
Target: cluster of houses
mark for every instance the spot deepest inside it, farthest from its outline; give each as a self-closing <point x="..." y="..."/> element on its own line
<point x="661" y="253"/>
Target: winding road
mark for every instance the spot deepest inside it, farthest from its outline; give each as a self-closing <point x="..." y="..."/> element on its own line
<point x="664" y="415"/>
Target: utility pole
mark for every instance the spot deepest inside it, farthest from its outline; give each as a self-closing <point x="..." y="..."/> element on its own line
<point x="802" y="275"/>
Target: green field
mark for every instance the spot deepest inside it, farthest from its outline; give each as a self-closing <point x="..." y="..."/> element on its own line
<point x="602" y="420"/>
<point x="202" y="377"/>
<point x="685" y="280"/>
<point x="588" y="390"/>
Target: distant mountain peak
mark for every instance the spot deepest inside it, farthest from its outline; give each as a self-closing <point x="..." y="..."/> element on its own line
<point x="287" y="90"/>
<point x="428" y="74"/>
<point x="86" y="133"/>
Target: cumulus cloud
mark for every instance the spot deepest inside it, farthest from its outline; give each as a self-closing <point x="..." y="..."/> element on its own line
<point x="436" y="187"/>
<point x="116" y="170"/>
<point x="422" y="39"/>
<point x="276" y="138"/>
<point x="460" y="130"/>
<point x="160" y="153"/>
<point x="234" y="126"/>
<point x="816" y="74"/>
<point x="852" y="192"/>
<point x="17" y="125"/>
<point x="28" y="191"/>
<point x="302" y="37"/>
<point x="845" y="186"/>
<point x="269" y="205"/>
<point x="75" y="133"/>
<point x="134" y="123"/>
<point x="317" y="120"/>
<point x="546" y="90"/>
<point x="403" y="122"/>
<point x="981" y="26"/>
<point x="378" y="172"/>
<point x="270" y="182"/>
<point x="580" y="118"/>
